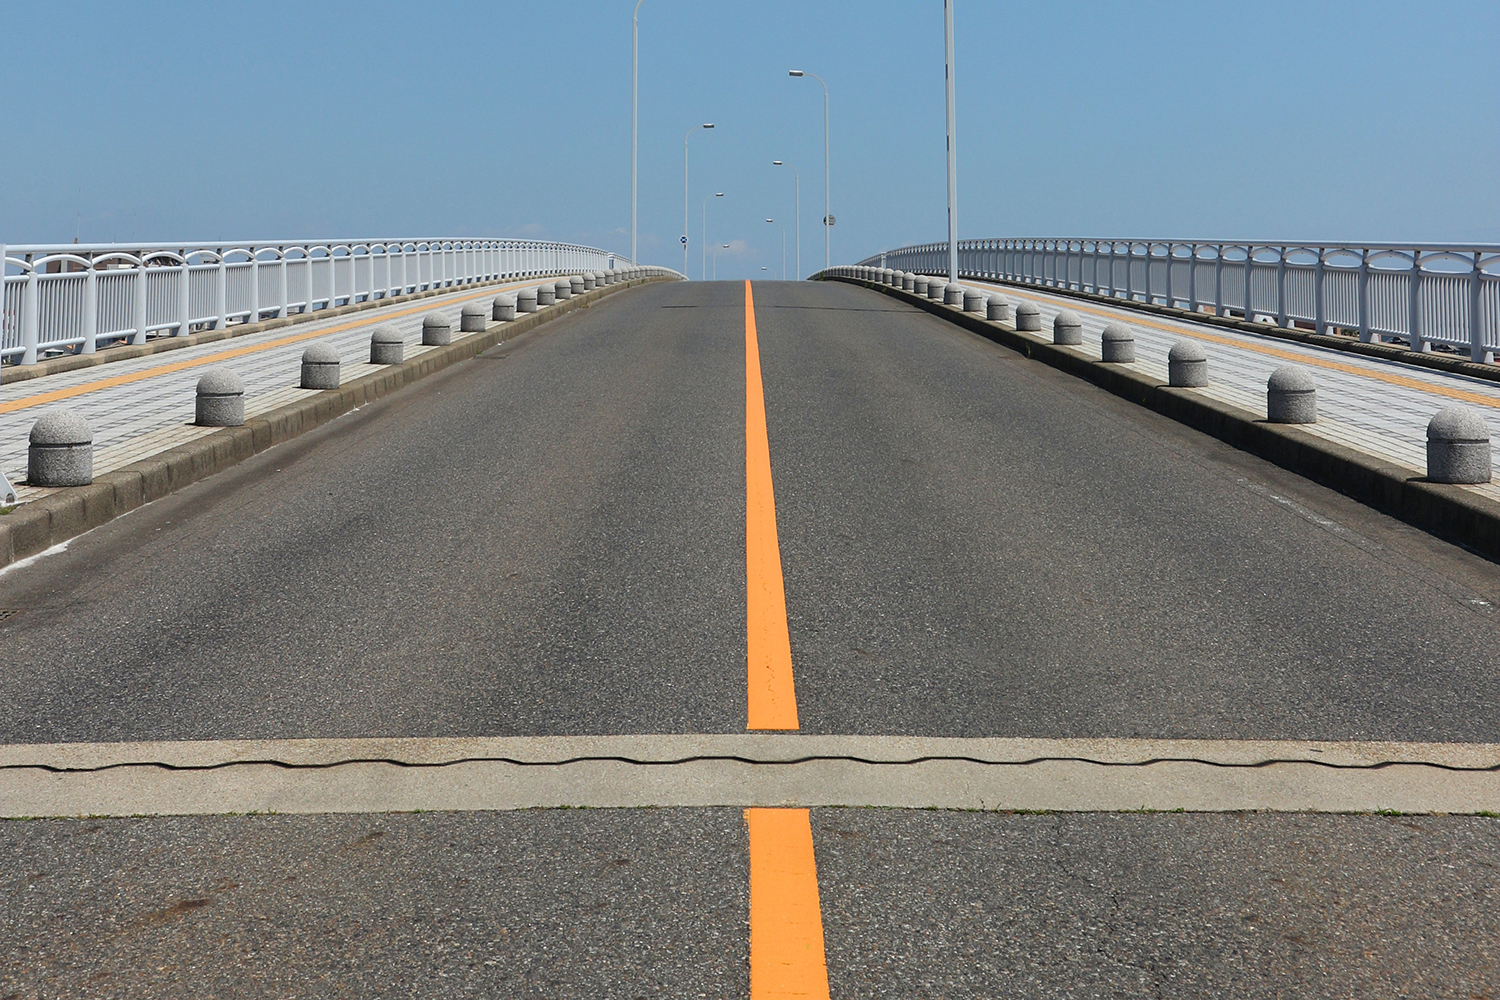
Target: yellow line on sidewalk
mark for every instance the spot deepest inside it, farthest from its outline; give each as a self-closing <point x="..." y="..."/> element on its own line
<point x="786" y="920"/>
<point x="56" y="395"/>
<point x="1388" y="377"/>
<point x="772" y="694"/>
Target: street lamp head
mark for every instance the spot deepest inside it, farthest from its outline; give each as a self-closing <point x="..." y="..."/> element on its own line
<point x="708" y="124"/>
<point x="770" y="220"/>
<point x="718" y="194"/>
<point x="726" y="246"/>
<point x="776" y="163"/>
<point x="794" y="72"/>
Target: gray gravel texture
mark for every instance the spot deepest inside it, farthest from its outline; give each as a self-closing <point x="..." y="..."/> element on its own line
<point x="547" y="539"/>
<point x="563" y="903"/>
<point x="975" y="544"/>
<point x="951" y="905"/>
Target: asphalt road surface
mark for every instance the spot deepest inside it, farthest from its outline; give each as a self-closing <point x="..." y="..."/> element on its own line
<point x="550" y="539"/>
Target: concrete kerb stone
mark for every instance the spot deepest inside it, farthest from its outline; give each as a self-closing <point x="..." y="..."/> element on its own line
<point x="1447" y="510"/>
<point x="1435" y="361"/>
<point x="37" y="526"/>
<point x="128" y="352"/>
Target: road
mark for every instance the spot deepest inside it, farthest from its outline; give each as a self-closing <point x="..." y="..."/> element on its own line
<point x="551" y="540"/>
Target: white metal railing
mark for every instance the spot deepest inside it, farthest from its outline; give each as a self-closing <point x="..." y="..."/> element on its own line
<point x="1443" y="293"/>
<point x="73" y="297"/>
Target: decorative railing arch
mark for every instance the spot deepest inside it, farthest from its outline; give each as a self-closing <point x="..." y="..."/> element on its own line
<point x="80" y="297"/>
<point x="1423" y="294"/>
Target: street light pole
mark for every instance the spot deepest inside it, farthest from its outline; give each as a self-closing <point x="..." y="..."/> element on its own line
<point x="684" y="191"/>
<point x="635" y="74"/>
<point x="797" y="192"/>
<point x="827" y="211"/>
<point x="952" y="147"/>
<point x="783" y="249"/>
<point x="703" y="268"/>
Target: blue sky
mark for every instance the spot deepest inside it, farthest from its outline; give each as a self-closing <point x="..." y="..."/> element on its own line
<point x="1276" y="120"/>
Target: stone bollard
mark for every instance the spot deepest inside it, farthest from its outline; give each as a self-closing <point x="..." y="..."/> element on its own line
<point x="1458" y="446"/>
<point x="953" y="294"/>
<point x="221" y="399"/>
<point x="62" y="450"/>
<point x="1067" y="328"/>
<point x="563" y="289"/>
<point x="1028" y="318"/>
<point x="1117" y="344"/>
<point x="919" y="284"/>
<point x="435" y="330"/>
<point x="546" y="295"/>
<point x="387" y="346"/>
<point x="1291" y="396"/>
<point x="588" y="282"/>
<point x="320" y="367"/>
<point x="503" y="308"/>
<point x="1000" y="308"/>
<point x="896" y="277"/>
<point x="1187" y="365"/>
<point x="473" y="319"/>
<point x="908" y="282"/>
<point x="975" y="300"/>
<point x="576" y="285"/>
<point x="937" y="289"/>
<point x="526" y="300"/>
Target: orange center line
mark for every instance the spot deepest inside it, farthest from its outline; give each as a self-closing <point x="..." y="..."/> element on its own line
<point x="1387" y="377"/>
<point x="55" y="395"/>
<point x="786" y="921"/>
<point x="772" y="694"/>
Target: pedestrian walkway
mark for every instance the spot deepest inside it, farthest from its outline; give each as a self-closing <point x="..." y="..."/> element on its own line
<point x="1368" y="404"/>
<point x="145" y="406"/>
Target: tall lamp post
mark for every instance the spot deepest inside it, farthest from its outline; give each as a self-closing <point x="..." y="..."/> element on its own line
<point x="783" y="249"/>
<point x="684" y="191"/>
<point x="635" y="74"/>
<point x="952" y="146"/>
<point x="797" y="194"/>
<point x="703" y="268"/>
<point x="827" y="212"/>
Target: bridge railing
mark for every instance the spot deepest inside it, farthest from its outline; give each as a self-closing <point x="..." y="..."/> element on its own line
<point x="1444" y="293"/>
<point x="81" y="297"/>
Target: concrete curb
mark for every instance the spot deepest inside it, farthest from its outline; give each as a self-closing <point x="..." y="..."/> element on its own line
<point x="1386" y="352"/>
<point x="35" y="527"/>
<point x="1449" y="512"/>
<point x="125" y="352"/>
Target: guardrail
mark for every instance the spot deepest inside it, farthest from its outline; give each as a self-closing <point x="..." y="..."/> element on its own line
<point x="1440" y="293"/>
<point x="73" y="297"/>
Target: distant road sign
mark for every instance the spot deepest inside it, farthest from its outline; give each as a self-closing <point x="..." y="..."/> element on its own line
<point x="684" y="240"/>
<point x="829" y="220"/>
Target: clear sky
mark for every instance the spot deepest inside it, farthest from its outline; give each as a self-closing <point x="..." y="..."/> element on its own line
<point x="1270" y="120"/>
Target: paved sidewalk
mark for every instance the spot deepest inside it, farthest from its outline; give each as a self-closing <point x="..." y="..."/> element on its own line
<point x="1374" y="406"/>
<point x="145" y="406"/>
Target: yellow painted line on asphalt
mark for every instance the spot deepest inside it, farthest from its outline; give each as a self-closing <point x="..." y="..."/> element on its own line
<point x="786" y="919"/>
<point x="772" y="694"/>
<point x="56" y="395"/>
<point x="1388" y="377"/>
